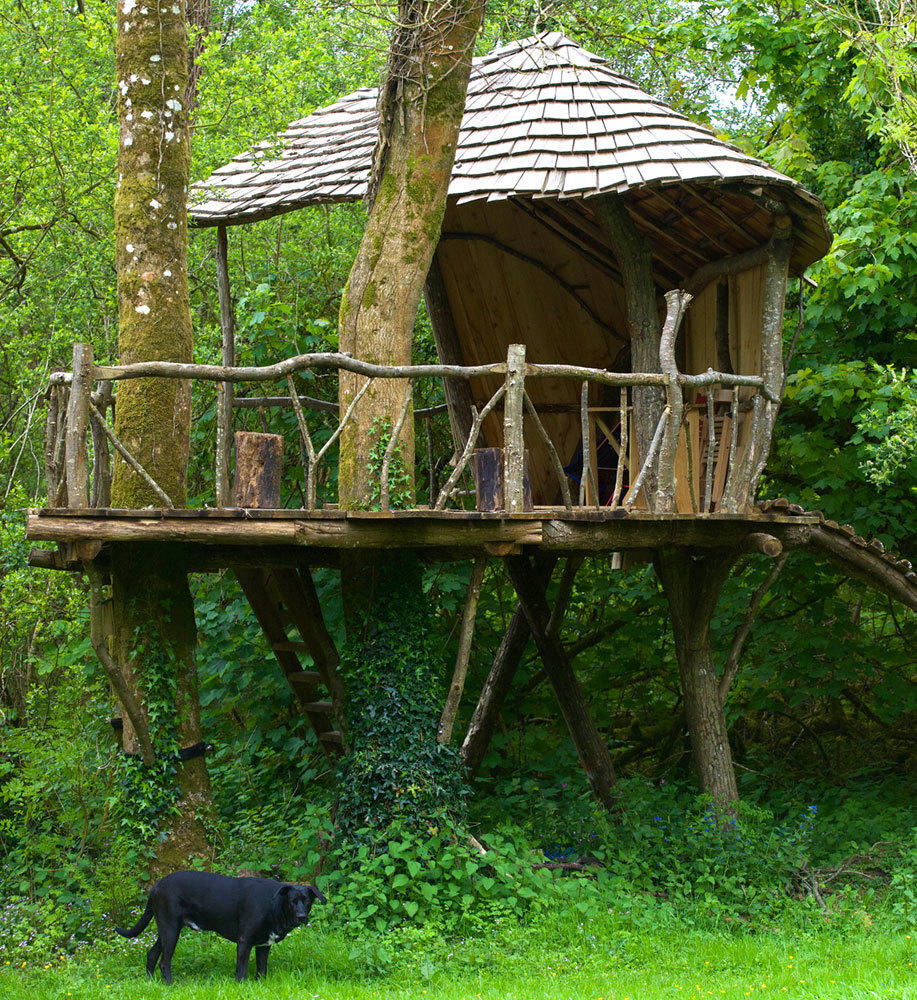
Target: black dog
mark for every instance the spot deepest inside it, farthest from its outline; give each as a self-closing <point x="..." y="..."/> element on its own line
<point x="253" y="912"/>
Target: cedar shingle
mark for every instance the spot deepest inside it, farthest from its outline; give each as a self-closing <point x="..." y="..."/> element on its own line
<point x="543" y="116"/>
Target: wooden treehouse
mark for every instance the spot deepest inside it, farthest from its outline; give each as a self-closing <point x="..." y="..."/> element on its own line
<point x="607" y="302"/>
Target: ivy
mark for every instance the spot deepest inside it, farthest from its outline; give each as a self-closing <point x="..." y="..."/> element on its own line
<point x="400" y="480"/>
<point x="396" y="772"/>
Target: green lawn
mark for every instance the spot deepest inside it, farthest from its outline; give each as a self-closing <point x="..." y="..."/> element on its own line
<point x="580" y="961"/>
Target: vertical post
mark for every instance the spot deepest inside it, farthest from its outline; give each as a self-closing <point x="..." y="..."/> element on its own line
<point x="513" y="443"/>
<point x="449" y="351"/>
<point x="711" y="450"/>
<point x="76" y="450"/>
<point x="224" y="389"/>
<point x="775" y="282"/>
<point x="306" y="449"/>
<point x="466" y="635"/>
<point x="585" y="445"/>
<point x="52" y="469"/>
<point x="506" y="661"/>
<point x="431" y="461"/>
<point x="622" y="454"/>
<point x="728" y="502"/>
<point x="60" y="443"/>
<point x="676" y="304"/>
<point x="590" y="746"/>
<point x="101" y="464"/>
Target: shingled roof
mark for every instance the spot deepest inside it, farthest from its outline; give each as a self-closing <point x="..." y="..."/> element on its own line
<point x="544" y="118"/>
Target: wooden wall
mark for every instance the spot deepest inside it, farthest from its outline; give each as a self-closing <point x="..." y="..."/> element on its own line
<point x="498" y="299"/>
<point x="501" y="268"/>
<point x="746" y="304"/>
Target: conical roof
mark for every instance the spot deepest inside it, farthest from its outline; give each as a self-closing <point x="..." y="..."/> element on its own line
<point x="544" y="119"/>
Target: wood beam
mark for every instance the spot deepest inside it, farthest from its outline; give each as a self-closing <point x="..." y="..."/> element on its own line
<point x="684" y="531"/>
<point x="446" y="535"/>
<point x="590" y="745"/>
<point x="685" y="216"/>
<point x="449" y="351"/>
<point x="499" y="680"/>
<point x="576" y="237"/>
<point x="224" y="389"/>
<point x="864" y="565"/>
<point x="450" y="710"/>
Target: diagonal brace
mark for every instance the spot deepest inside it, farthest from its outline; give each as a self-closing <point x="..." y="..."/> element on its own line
<point x="590" y="746"/>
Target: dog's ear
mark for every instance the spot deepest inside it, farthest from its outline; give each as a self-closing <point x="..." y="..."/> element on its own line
<point x="285" y="890"/>
<point x="316" y="893"/>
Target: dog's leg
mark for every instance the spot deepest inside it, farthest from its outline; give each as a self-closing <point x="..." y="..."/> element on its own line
<point x="243" y="953"/>
<point x="152" y="957"/>
<point x="261" y="953"/>
<point x="169" y="938"/>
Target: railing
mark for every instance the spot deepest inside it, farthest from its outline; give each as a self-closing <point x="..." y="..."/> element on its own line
<point x="702" y="456"/>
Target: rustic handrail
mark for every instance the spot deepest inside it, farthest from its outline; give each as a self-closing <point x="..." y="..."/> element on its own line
<point x="659" y="465"/>
<point x="345" y="362"/>
<point x="280" y="370"/>
<point x="323" y="405"/>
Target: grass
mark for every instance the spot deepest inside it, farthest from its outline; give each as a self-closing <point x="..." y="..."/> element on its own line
<point x="554" y="959"/>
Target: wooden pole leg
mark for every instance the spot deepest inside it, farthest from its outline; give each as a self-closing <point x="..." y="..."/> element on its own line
<point x="496" y="687"/>
<point x="590" y="746"/>
<point x="464" y="651"/>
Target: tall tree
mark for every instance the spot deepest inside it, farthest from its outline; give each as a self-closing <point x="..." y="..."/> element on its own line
<point x="421" y="103"/>
<point x="154" y="627"/>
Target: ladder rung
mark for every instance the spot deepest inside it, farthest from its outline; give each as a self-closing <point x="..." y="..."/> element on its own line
<point x="289" y="646"/>
<point x="332" y="736"/>
<point x="323" y="707"/>
<point x="305" y="677"/>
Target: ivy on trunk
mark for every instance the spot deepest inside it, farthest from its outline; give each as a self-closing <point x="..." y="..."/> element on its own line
<point x="396" y="768"/>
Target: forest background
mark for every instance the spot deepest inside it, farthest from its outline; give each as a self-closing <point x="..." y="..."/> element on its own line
<point x="821" y="715"/>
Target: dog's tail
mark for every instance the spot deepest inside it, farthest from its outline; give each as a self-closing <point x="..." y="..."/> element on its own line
<point x="141" y="923"/>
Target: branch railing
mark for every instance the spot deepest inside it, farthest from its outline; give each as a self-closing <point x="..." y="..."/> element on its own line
<point x="700" y="442"/>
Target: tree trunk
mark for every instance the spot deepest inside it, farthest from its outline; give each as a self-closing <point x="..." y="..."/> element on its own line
<point x="422" y="101"/>
<point x="692" y="587"/>
<point x="421" y="106"/>
<point x="154" y="629"/>
<point x="635" y="259"/>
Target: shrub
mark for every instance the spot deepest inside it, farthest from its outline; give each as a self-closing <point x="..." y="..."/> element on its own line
<point x="438" y="880"/>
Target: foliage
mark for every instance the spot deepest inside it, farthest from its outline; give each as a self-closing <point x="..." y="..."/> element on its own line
<point x="889" y="425"/>
<point x="400" y="480"/>
<point x="435" y="880"/>
<point x="884" y="81"/>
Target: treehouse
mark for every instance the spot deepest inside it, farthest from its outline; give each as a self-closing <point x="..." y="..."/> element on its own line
<point x="607" y="299"/>
<point x="528" y="255"/>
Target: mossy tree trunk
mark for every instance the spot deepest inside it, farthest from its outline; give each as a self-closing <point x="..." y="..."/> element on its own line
<point x="389" y="665"/>
<point x="421" y="105"/>
<point x="154" y="628"/>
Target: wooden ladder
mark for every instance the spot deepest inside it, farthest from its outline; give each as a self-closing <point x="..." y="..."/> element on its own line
<point x="284" y="599"/>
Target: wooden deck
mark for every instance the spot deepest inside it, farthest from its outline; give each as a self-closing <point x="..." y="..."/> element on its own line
<point x="229" y="537"/>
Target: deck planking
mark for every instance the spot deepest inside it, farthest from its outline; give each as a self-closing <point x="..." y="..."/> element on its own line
<point x="226" y="537"/>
